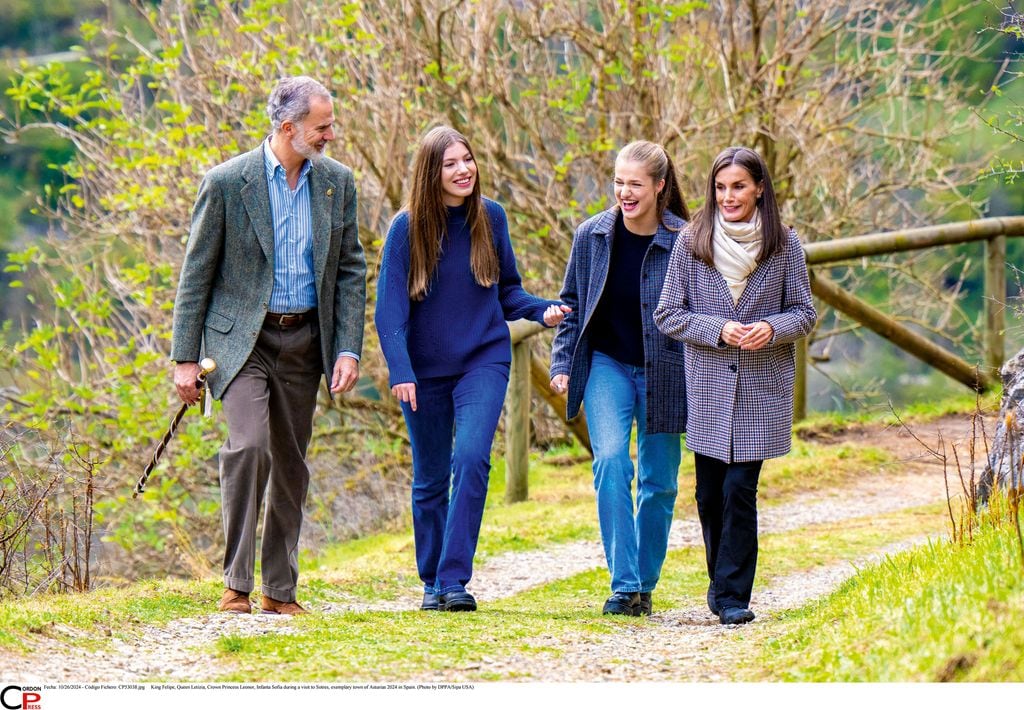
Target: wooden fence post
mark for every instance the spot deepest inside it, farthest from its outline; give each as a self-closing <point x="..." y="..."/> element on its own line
<point x="995" y="303"/>
<point x="517" y="424"/>
<point x="578" y="426"/>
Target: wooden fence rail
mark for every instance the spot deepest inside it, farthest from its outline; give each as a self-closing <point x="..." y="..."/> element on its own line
<point x="528" y="368"/>
<point x="993" y="231"/>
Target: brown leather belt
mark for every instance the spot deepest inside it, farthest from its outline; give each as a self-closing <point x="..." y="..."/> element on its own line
<point x="287" y="320"/>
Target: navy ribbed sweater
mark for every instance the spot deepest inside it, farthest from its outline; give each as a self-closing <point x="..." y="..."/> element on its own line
<point x="459" y="325"/>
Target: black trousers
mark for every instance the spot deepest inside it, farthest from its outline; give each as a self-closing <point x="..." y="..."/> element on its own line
<point x="727" y="506"/>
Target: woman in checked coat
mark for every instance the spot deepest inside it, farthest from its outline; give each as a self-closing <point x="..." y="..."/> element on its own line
<point x="737" y="294"/>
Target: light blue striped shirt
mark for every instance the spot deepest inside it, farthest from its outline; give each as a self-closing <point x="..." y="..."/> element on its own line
<point x="290" y="210"/>
<point x="294" y="284"/>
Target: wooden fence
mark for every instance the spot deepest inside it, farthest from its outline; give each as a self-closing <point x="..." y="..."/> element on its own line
<point x="993" y="231"/>
<point x="530" y="372"/>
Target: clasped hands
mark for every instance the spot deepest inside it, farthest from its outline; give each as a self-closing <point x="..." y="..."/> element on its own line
<point x="752" y="336"/>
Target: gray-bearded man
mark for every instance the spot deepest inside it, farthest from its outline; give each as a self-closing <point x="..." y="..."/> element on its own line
<point x="273" y="288"/>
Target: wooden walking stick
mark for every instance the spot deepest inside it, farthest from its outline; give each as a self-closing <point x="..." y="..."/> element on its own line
<point x="206" y="366"/>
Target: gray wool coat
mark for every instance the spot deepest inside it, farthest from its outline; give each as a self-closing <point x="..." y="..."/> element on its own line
<point x="585" y="277"/>
<point x="228" y="271"/>
<point x="740" y="402"/>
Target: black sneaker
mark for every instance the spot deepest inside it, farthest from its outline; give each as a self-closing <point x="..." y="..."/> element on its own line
<point x="456" y="601"/>
<point x="429" y="602"/>
<point x="735" y="615"/>
<point x="623" y="603"/>
<point x="644" y="606"/>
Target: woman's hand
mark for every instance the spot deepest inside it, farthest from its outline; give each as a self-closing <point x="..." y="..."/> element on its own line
<point x="560" y="384"/>
<point x="732" y="332"/>
<point x="753" y="336"/>
<point x="555" y="315"/>
<point x="757" y="336"/>
<point x="406" y="392"/>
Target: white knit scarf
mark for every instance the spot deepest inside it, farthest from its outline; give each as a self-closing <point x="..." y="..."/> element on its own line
<point x="736" y="246"/>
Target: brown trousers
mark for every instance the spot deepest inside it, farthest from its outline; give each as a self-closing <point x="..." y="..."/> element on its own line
<point x="269" y="409"/>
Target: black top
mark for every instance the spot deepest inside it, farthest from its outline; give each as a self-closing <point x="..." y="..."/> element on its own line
<point x="616" y="328"/>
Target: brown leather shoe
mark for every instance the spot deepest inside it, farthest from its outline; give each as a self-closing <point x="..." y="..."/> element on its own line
<point x="272" y="606"/>
<point x="235" y="602"/>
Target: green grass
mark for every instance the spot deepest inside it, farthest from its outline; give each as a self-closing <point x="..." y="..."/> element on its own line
<point x="939" y="612"/>
<point x="560" y="510"/>
<point x="919" y="412"/>
<point x="365" y="646"/>
<point x="831" y="640"/>
<point x="816" y="467"/>
<point x="89" y="619"/>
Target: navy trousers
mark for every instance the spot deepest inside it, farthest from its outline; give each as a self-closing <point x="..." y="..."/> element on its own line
<point x="451" y="432"/>
<point x="727" y="507"/>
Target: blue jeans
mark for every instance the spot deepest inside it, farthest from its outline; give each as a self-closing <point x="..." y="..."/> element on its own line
<point x="451" y="432"/>
<point x="634" y="544"/>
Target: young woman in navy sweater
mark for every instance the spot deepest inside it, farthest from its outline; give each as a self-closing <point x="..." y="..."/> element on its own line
<point x="448" y="282"/>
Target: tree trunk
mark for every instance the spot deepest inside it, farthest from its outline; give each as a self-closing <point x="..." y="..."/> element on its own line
<point x="1005" y="458"/>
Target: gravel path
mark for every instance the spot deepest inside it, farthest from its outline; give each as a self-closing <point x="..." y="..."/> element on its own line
<point x="678" y="644"/>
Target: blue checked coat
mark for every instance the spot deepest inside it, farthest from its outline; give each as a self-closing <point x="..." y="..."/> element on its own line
<point x="585" y="277"/>
<point x="740" y="401"/>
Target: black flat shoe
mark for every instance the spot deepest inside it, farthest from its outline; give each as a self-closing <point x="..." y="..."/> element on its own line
<point x="644" y="606"/>
<point x="736" y="615"/>
<point x="456" y="601"/>
<point x="622" y="603"/>
<point x="429" y="602"/>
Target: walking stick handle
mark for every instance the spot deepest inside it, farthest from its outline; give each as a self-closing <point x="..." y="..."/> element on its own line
<point x="206" y="366"/>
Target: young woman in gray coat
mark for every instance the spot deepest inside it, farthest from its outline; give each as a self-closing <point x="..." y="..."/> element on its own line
<point x="738" y="295"/>
<point x="609" y="355"/>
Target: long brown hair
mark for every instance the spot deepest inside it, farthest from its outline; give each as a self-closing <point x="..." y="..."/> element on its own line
<point x="428" y="217"/>
<point x="773" y="233"/>
<point x="659" y="166"/>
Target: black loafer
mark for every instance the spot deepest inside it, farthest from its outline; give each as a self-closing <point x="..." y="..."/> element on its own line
<point x="622" y="603"/>
<point x="711" y="599"/>
<point x="644" y="606"/>
<point x="736" y="615"/>
<point x="456" y="601"/>
<point x="429" y="602"/>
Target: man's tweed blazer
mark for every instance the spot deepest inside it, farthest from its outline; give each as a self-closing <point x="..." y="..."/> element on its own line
<point x="585" y="278"/>
<point x="740" y="402"/>
<point x="228" y="272"/>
